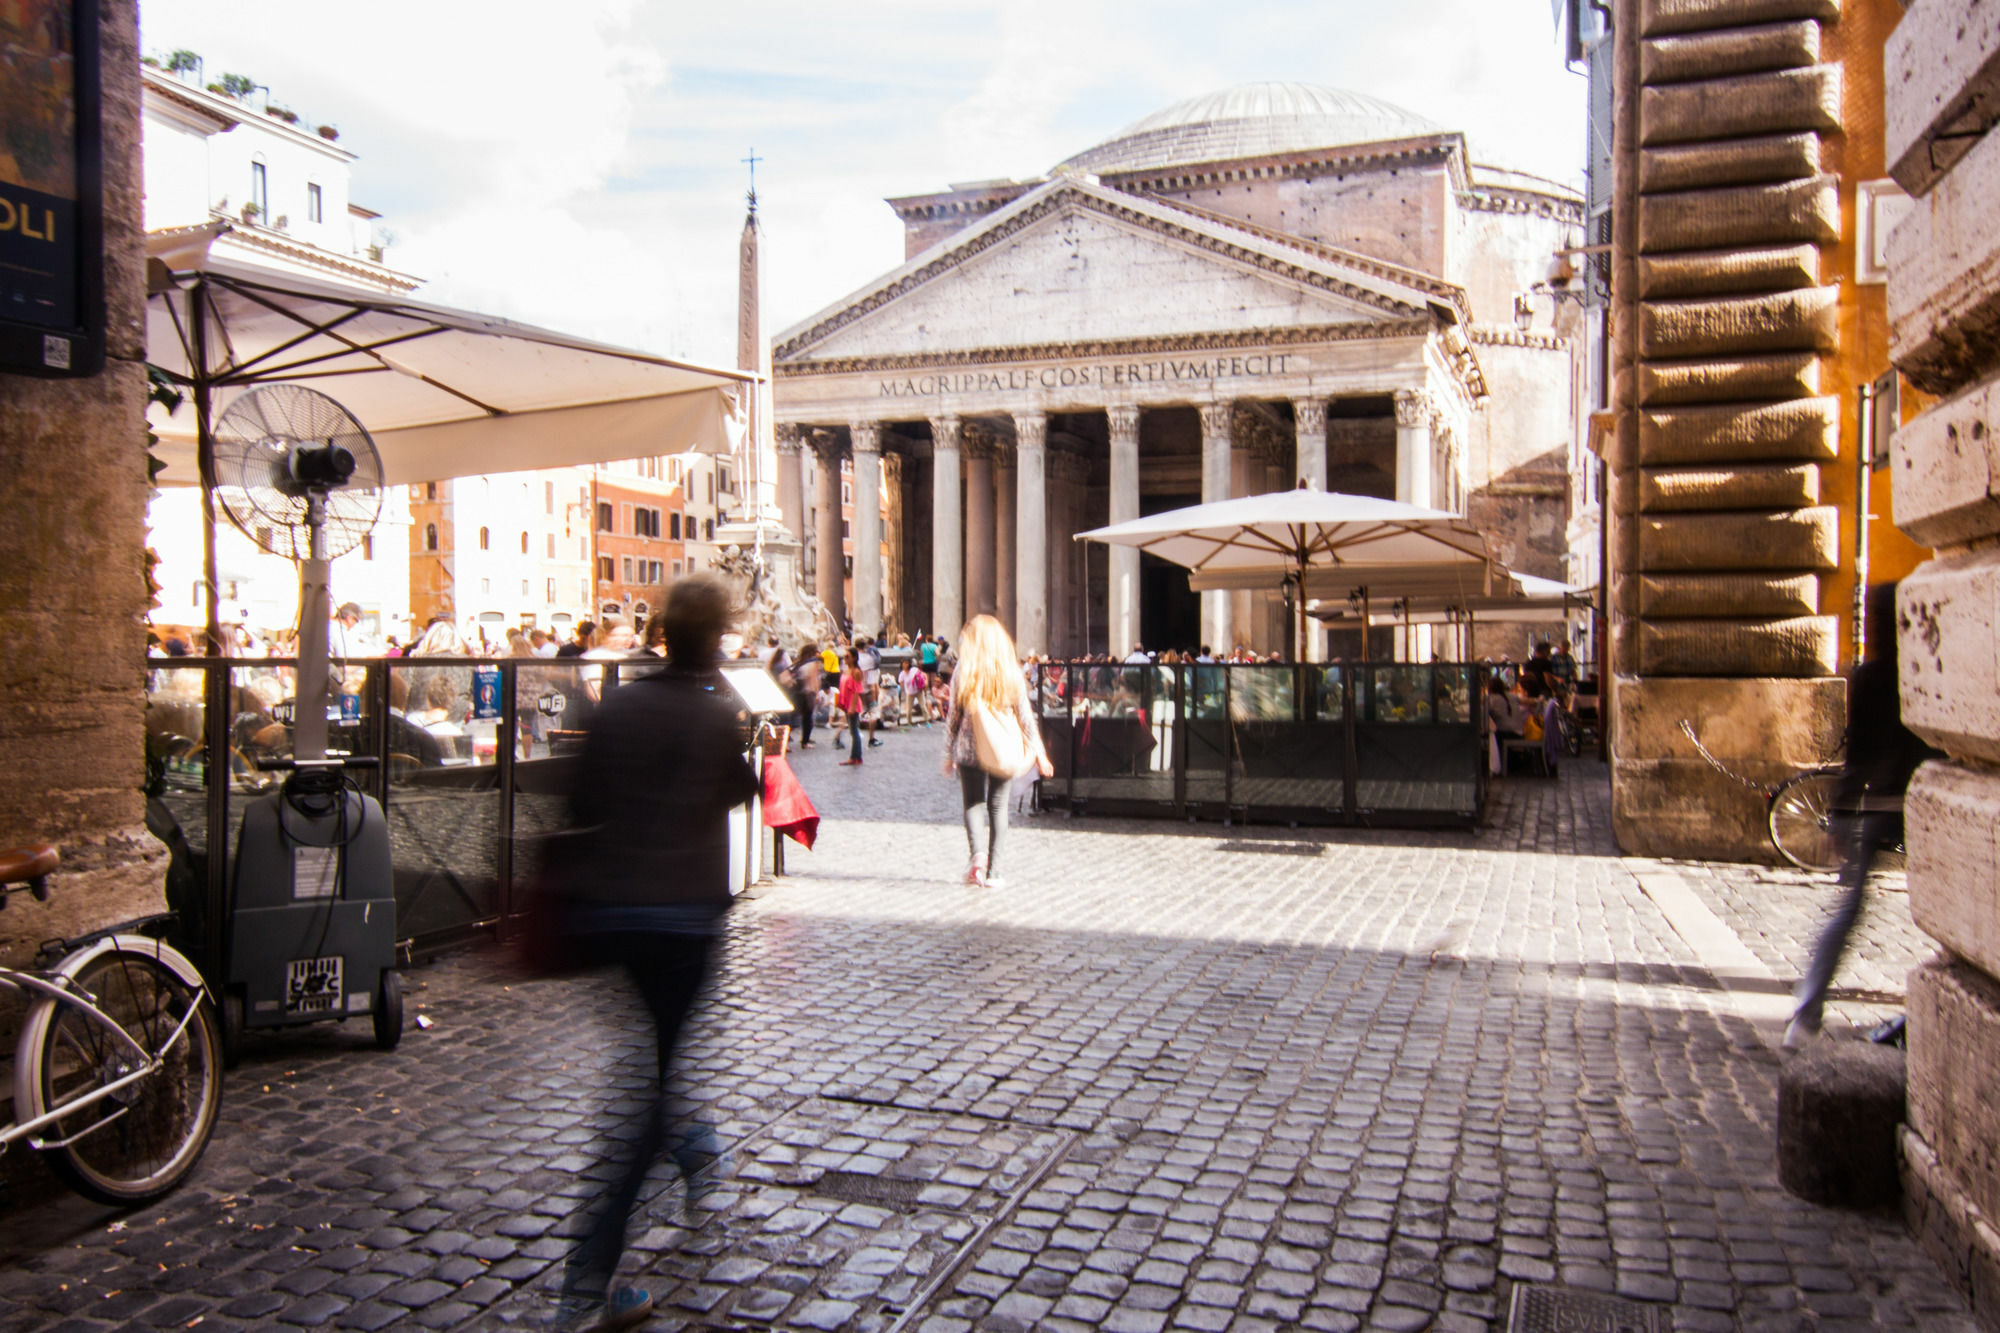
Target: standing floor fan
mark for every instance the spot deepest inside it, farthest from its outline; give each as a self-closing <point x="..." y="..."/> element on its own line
<point x="311" y="933"/>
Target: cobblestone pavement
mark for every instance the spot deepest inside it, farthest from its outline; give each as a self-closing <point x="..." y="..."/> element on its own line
<point x="1174" y="1076"/>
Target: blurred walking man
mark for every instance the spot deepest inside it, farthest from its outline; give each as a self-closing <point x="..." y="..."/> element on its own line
<point x="660" y="771"/>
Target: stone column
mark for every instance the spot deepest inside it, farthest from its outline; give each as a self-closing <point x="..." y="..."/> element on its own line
<point x="1309" y="414"/>
<point x="1031" y="552"/>
<point x="1122" y="587"/>
<point x="1246" y="477"/>
<point x="979" y="554"/>
<point x="867" y="610"/>
<point x="791" y="482"/>
<point x="1215" y="432"/>
<point x="827" y="570"/>
<point x="1413" y="447"/>
<point x="1004" y="524"/>
<point x="947" y="538"/>
<point x="895" y="597"/>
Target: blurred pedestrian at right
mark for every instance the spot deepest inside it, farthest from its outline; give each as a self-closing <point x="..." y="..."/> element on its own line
<point x="1867" y="812"/>
<point x="990" y="739"/>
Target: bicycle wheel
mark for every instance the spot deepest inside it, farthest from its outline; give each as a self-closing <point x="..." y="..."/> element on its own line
<point x="140" y="1142"/>
<point x="1801" y="820"/>
<point x="1569" y="733"/>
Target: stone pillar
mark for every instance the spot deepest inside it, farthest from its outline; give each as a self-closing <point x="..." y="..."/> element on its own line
<point x="1123" y="586"/>
<point x="1031" y="552"/>
<point x="1246" y="477"/>
<point x="867" y="609"/>
<point x="1004" y="524"/>
<point x="828" y="574"/>
<point x="1942" y="296"/>
<point x="1309" y="434"/>
<point x="1413" y="447"/>
<point x="947" y="537"/>
<point x="979" y="554"/>
<point x="895" y="596"/>
<point x="791" y="481"/>
<point x="1215" y="433"/>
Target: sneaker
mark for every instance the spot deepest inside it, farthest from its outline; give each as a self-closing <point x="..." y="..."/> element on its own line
<point x="993" y="882"/>
<point x="873" y="744"/>
<point x="975" y="876"/>
<point x="1801" y="1030"/>
<point x="850" y="763"/>
<point x="582" y="1312"/>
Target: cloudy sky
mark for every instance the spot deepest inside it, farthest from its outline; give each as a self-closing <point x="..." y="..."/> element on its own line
<point x="578" y="164"/>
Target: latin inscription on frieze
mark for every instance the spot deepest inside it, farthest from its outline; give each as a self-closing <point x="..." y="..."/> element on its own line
<point x="1097" y="375"/>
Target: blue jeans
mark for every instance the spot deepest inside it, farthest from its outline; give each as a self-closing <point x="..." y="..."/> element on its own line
<point x="1867" y="835"/>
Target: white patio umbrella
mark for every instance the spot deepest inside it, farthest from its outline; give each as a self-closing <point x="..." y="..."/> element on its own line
<point x="1238" y="543"/>
<point x="443" y="392"/>
<point x="1519" y="599"/>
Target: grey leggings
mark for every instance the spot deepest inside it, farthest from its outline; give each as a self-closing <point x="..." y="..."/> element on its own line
<point x="985" y="813"/>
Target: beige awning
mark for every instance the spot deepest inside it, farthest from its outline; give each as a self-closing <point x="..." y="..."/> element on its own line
<point x="444" y="392"/>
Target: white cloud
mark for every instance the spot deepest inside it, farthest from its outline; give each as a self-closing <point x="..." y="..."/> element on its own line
<point x="578" y="165"/>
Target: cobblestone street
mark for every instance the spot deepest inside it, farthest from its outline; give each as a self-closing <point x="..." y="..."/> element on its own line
<point x="1173" y="1076"/>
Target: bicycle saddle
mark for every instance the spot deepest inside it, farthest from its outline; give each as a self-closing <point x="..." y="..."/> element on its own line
<point x="21" y="865"/>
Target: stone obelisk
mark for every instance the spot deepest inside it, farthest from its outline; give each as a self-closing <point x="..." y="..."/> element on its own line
<point x="756" y="544"/>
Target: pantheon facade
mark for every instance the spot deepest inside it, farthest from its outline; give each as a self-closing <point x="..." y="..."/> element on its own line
<point x="1274" y="285"/>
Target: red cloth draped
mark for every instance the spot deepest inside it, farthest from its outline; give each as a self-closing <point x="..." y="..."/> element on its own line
<point x="787" y="808"/>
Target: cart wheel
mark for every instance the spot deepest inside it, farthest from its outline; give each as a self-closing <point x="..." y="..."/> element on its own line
<point x="232" y="1028"/>
<point x="389" y="1010"/>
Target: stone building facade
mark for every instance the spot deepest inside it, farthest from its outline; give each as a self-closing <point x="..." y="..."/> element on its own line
<point x="1270" y="285"/>
<point x="73" y="589"/>
<point x="1745" y="323"/>
<point x="1943" y="75"/>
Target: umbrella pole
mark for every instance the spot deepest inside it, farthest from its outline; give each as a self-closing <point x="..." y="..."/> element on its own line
<point x="205" y="458"/>
<point x="1366" y="618"/>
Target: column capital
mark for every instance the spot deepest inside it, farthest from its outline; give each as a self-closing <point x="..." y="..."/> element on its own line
<point x="866" y="436"/>
<point x="1031" y="430"/>
<point x="1123" y="419"/>
<point x="1413" y="408"/>
<point x="1216" y="420"/>
<point x="790" y="435"/>
<point x="825" y="444"/>
<point x="1310" y="414"/>
<point x="946" y="431"/>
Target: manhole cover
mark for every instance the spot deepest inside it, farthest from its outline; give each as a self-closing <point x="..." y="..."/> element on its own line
<point x="1556" y="1310"/>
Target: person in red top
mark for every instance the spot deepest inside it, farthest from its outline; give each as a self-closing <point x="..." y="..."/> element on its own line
<point x="851" y="700"/>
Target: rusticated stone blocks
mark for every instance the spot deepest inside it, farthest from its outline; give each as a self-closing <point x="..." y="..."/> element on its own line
<point x="1790" y="99"/>
<point x="1785" y="539"/>
<point x="1754" y="486"/>
<point x="1942" y="68"/>
<point x="1731" y="380"/>
<point x="1952" y="819"/>
<point x="1955" y="1074"/>
<point x="1950" y="648"/>
<point x="1748" y="595"/>
<point x="1773" y="157"/>
<point x="1776" y="268"/>
<point x="1803" y="429"/>
<point x="1805" y="210"/>
<point x="1775" y="322"/>
<point x="1661" y="17"/>
<point x="1800" y="646"/>
<point x="1944" y="298"/>
<point x="1947" y="465"/>
<point x="1713" y="55"/>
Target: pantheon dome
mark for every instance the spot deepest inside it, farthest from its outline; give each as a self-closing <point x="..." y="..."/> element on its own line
<point x="1251" y="120"/>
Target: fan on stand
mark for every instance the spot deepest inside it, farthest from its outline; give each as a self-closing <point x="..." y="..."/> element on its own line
<point x="298" y="474"/>
<point x="311" y="912"/>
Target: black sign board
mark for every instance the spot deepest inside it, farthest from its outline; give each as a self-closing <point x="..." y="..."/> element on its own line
<point x="51" y="189"/>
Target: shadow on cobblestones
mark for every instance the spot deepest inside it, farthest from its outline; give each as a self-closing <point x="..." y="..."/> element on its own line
<point x="1174" y="1078"/>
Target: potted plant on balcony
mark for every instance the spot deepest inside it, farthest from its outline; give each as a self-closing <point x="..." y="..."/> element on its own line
<point x="328" y="133"/>
<point x="250" y="212"/>
<point x="284" y="113"/>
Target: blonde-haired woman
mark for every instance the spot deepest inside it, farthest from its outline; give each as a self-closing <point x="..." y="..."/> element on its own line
<point x="988" y="674"/>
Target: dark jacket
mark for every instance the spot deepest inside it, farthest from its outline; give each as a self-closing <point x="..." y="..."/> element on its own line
<point x="661" y="769"/>
<point x="1882" y="753"/>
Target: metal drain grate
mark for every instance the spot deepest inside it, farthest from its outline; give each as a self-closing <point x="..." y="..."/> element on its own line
<point x="856" y="1187"/>
<point x="1536" y="1309"/>
<point x="1258" y="847"/>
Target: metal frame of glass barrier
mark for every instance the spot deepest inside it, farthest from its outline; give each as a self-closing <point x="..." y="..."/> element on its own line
<point x="464" y="818"/>
<point x="1390" y="743"/>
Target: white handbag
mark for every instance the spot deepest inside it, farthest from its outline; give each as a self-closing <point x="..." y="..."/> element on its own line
<point x="998" y="742"/>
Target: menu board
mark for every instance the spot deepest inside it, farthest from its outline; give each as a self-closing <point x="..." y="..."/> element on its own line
<point x="50" y="245"/>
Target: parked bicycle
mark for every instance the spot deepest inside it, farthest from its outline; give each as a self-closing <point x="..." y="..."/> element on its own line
<point x="117" y="1069"/>
<point x="1798" y="811"/>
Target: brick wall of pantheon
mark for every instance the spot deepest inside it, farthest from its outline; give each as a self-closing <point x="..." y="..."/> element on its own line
<point x="1270" y="285"/>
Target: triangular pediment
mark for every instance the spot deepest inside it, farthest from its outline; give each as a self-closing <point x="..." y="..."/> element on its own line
<point x="1076" y="263"/>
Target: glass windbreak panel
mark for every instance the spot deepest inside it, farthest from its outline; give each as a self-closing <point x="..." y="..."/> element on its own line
<point x="1455" y="693"/>
<point x="443" y="792"/>
<point x="549" y="705"/>
<point x="1326" y="694"/>
<point x="1051" y="704"/>
<point x="1207" y="728"/>
<point x="1285" y="760"/>
<point x="1401" y="694"/>
<point x="176" y="756"/>
<point x="262" y="707"/>
<point x="1124" y="724"/>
